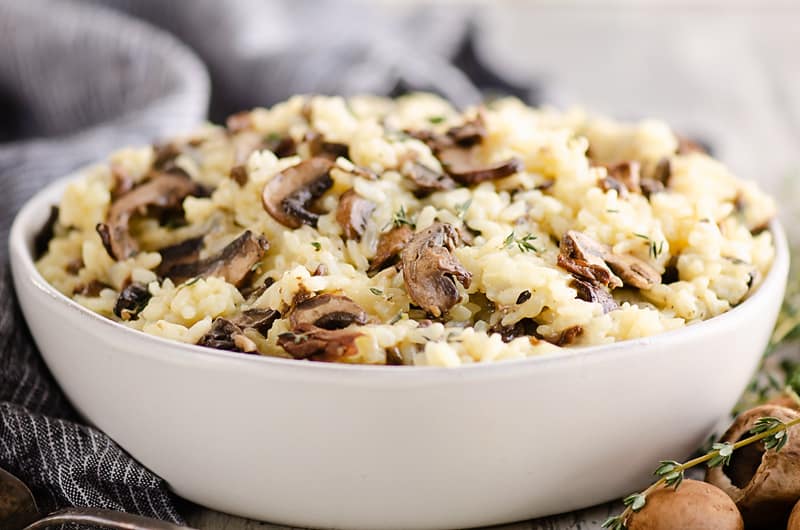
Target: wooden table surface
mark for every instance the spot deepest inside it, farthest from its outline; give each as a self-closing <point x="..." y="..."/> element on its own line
<point x="727" y="72"/>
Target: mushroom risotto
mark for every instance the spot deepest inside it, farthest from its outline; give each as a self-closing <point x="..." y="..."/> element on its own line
<point x="402" y="231"/>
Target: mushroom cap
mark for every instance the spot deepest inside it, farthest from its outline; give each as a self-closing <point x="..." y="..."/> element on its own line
<point x="585" y="258"/>
<point x="763" y="484"/>
<point x="328" y="311"/>
<point x="794" y="518"/>
<point x="430" y="270"/>
<point x="288" y="194"/>
<point x="695" y="505"/>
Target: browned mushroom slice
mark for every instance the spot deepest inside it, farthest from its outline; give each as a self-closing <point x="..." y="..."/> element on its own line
<point x="627" y="173"/>
<point x="463" y="165"/>
<point x="225" y="335"/>
<point x="318" y="146"/>
<point x="121" y="181"/>
<point x="184" y="252"/>
<point x="633" y="271"/>
<point x="469" y="133"/>
<point x="584" y="257"/>
<point x="590" y="292"/>
<point x="131" y="301"/>
<point x="525" y="327"/>
<point x="234" y="263"/>
<point x="165" y="190"/>
<point x="353" y="213"/>
<point x="318" y="344"/>
<point x="259" y="319"/>
<point x="228" y="334"/>
<point x="327" y="311"/>
<point x="164" y="156"/>
<point x="426" y="179"/>
<point x="289" y="194"/>
<point x="41" y="241"/>
<point x="568" y="336"/>
<point x="390" y="245"/>
<point x="430" y="270"/>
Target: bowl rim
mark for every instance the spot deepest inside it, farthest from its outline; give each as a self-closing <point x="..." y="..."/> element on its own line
<point x="21" y="254"/>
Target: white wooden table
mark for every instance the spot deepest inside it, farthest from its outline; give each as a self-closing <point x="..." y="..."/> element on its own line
<point x="728" y="72"/>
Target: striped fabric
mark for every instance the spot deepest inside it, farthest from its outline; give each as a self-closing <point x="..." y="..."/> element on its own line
<point x="78" y="79"/>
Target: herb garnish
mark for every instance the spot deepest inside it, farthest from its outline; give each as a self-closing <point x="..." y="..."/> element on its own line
<point x="400" y="218"/>
<point x="461" y="209"/>
<point x="436" y="119"/>
<point x="773" y="432"/>
<point x="654" y="248"/>
<point x="523" y="243"/>
<point x="375" y="291"/>
<point x="317" y="245"/>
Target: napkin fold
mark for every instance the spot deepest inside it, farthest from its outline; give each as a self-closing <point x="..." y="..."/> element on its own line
<point x="80" y="79"/>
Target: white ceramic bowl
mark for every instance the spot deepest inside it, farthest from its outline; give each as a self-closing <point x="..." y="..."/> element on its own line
<point x="325" y="445"/>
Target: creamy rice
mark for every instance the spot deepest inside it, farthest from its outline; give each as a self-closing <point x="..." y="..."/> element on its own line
<point x="677" y="238"/>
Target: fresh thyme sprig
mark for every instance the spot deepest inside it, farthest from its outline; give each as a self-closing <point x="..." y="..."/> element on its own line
<point x="524" y="243"/>
<point x="400" y="218"/>
<point x="461" y="209"/>
<point x="655" y="248"/>
<point x="773" y="432"/>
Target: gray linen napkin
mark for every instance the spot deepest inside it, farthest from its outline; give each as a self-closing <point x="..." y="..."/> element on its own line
<point x="78" y="80"/>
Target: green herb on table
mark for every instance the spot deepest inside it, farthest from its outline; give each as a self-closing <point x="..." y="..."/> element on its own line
<point x="772" y="432"/>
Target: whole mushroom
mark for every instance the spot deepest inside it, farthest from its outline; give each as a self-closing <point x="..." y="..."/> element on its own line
<point x="695" y="505"/>
<point x="763" y="484"/>
<point x="794" y="518"/>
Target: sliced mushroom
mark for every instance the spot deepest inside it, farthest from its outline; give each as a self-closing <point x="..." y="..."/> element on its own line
<point x="394" y="357"/>
<point x="228" y="334"/>
<point x="289" y="194"/>
<point x="184" y="252"/>
<point x="568" y="336"/>
<point x="131" y="301"/>
<point x="234" y="263"/>
<point x="525" y="327"/>
<point x="687" y="145"/>
<point x="390" y="245"/>
<point x="319" y="147"/>
<point x="225" y="335"/>
<point x="466" y="168"/>
<point x="591" y="292"/>
<point x="469" y="133"/>
<point x="430" y="270"/>
<point x="633" y="271"/>
<point x="122" y="182"/>
<point x="281" y="146"/>
<point x="353" y="213"/>
<point x="259" y="319"/>
<point x="327" y="311"/>
<point x="626" y="173"/>
<point x="318" y="344"/>
<point x="584" y="258"/>
<point x="165" y="190"/>
<point x="41" y="241"/>
<point x="164" y="156"/>
<point x="426" y="179"/>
